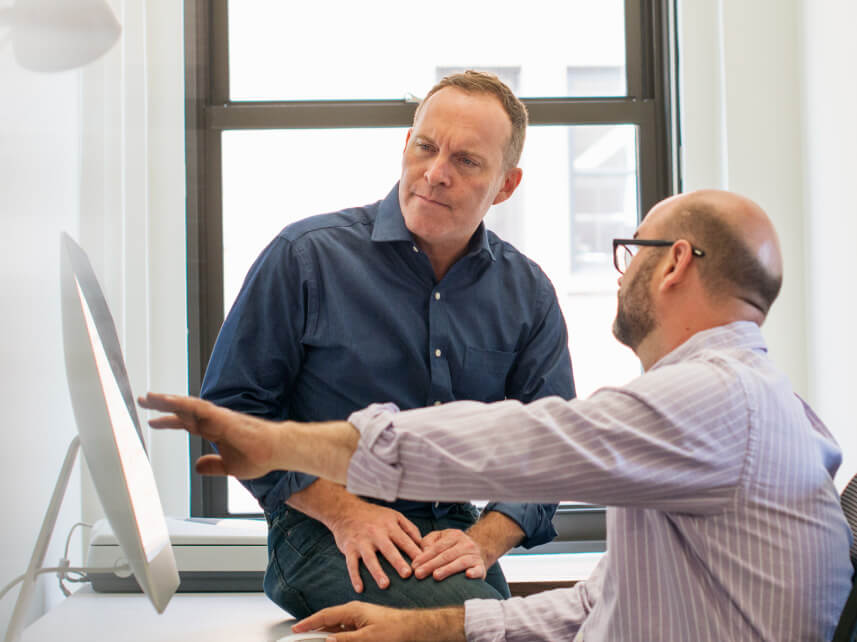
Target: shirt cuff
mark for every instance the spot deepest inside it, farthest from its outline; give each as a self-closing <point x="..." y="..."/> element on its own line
<point x="374" y="468"/>
<point x="534" y="519"/>
<point x="484" y="621"/>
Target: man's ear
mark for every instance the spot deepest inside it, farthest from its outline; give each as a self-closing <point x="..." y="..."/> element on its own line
<point x="407" y="139"/>
<point x="510" y="183"/>
<point x="675" y="268"/>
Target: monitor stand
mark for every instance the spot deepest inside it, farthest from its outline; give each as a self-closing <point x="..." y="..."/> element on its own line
<point x="28" y="585"/>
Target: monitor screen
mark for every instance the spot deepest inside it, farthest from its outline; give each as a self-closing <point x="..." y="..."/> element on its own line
<point x="109" y="428"/>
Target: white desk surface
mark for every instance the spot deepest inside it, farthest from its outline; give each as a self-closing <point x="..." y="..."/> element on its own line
<point x="87" y="616"/>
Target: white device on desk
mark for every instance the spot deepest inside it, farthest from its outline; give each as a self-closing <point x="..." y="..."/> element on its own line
<point x="109" y="431"/>
<point x="220" y="555"/>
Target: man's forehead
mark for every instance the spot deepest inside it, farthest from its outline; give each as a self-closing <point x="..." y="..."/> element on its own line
<point x="481" y="100"/>
<point x="475" y="113"/>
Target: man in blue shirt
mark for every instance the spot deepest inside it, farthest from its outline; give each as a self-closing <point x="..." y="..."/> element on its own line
<point x="409" y="300"/>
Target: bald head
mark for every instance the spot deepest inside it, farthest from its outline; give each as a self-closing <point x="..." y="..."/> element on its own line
<point x="742" y="252"/>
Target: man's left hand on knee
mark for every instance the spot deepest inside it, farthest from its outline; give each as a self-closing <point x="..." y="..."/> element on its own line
<point x="448" y="552"/>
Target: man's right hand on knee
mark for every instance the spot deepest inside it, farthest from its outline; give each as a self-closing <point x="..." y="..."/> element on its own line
<point x="364" y="530"/>
<point x="361" y="530"/>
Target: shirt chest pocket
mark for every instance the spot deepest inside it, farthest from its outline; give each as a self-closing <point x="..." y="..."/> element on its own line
<point x="483" y="374"/>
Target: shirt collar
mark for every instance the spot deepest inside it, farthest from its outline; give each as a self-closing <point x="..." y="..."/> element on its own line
<point x="390" y="226"/>
<point x="741" y="335"/>
<point x="389" y="222"/>
<point x="480" y="242"/>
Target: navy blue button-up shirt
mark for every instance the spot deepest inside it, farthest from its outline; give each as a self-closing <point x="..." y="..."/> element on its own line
<point x="342" y="310"/>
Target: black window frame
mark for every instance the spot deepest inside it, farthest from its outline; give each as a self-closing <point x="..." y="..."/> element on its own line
<point x="650" y="104"/>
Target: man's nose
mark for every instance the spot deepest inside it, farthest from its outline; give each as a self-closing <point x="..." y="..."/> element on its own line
<point x="437" y="172"/>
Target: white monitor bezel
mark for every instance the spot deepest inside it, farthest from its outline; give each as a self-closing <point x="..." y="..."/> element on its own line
<point x="86" y="323"/>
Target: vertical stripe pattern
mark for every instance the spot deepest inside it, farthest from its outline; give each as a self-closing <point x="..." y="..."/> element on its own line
<point x="723" y="521"/>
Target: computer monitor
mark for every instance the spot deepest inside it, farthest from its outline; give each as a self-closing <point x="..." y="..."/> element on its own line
<point x="109" y="428"/>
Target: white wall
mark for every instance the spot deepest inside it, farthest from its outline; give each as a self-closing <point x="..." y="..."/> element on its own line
<point x="767" y="103"/>
<point x="741" y="129"/>
<point x="39" y="196"/>
<point x="830" y="168"/>
<point x="98" y="153"/>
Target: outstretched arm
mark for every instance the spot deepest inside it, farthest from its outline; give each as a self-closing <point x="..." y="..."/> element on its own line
<point x="249" y="447"/>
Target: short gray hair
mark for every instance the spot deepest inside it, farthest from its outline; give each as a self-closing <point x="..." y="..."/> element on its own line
<point x="481" y="82"/>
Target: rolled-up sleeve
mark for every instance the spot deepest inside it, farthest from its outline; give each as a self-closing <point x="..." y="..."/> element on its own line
<point x="374" y="469"/>
<point x="534" y="519"/>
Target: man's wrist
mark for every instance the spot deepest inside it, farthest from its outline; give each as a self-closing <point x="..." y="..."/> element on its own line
<point x="440" y="625"/>
<point x="324" y="501"/>
<point x="322" y="449"/>
<point x="495" y="534"/>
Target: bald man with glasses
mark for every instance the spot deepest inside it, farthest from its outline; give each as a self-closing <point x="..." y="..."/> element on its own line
<point x="723" y="521"/>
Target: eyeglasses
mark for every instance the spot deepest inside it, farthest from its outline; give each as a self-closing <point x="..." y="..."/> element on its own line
<point x="623" y="254"/>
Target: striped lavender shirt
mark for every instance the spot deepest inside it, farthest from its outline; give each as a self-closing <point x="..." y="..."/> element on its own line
<point x="723" y="524"/>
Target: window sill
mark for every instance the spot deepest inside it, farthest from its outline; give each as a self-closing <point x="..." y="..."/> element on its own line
<point x="528" y="574"/>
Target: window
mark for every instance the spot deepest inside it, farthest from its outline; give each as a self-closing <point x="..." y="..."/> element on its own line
<point x="292" y="113"/>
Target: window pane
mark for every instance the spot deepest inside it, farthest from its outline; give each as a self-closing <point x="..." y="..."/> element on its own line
<point x="579" y="191"/>
<point x="238" y="499"/>
<point x="389" y="49"/>
<point x="603" y="188"/>
<point x="274" y="177"/>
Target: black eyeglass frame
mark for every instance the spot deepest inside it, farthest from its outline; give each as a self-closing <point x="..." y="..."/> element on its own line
<point x="617" y="243"/>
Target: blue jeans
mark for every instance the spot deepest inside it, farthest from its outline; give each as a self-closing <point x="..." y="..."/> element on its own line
<point x="306" y="571"/>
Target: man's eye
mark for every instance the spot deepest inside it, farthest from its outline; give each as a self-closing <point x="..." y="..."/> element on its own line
<point x="469" y="162"/>
<point x="424" y="147"/>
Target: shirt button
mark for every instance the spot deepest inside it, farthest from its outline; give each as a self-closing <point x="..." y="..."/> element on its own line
<point x="415" y="248"/>
<point x="437" y="296"/>
<point x="437" y="403"/>
<point x="437" y="352"/>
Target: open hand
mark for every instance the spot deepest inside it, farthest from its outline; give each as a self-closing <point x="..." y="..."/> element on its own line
<point x="368" y="529"/>
<point x="245" y="444"/>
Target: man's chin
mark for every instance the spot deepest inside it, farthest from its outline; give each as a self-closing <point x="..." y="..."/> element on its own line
<point x="623" y="336"/>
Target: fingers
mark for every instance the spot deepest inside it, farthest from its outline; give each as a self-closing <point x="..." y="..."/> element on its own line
<point x="469" y="563"/>
<point x="391" y="553"/>
<point x="329" y="619"/>
<point x="357" y="622"/>
<point x="447" y="553"/>
<point x="354" y="636"/>
<point x="370" y="559"/>
<point x="210" y="465"/>
<point x="352" y="563"/>
<point x="410" y="528"/>
<point x="185" y="411"/>
<point x="433" y="544"/>
<point x="169" y="403"/>
<point x="412" y="543"/>
<point x="171" y="421"/>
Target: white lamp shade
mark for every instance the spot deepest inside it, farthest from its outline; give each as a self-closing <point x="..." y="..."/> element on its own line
<point x="56" y="35"/>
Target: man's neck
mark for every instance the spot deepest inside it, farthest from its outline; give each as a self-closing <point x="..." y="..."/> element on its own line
<point x="649" y="351"/>
<point x="442" y="257"/>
